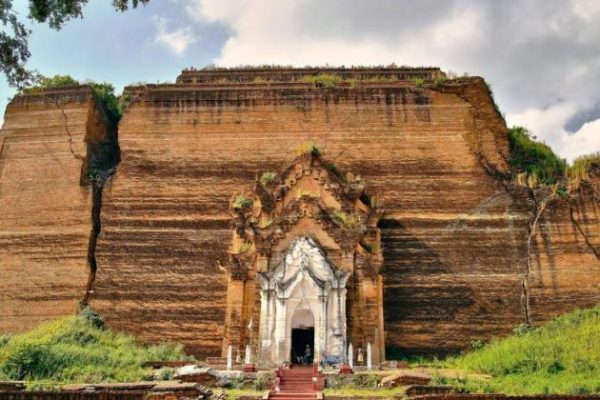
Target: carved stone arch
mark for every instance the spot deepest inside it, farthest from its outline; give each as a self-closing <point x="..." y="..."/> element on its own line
<point x="312" y="212"/>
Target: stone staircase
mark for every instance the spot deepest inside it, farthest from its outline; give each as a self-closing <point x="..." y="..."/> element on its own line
<point x="295" y="383"/>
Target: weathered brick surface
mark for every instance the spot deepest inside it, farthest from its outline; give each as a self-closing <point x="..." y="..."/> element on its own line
<point x="454" y="238"/>
<point x="44" y="211"/>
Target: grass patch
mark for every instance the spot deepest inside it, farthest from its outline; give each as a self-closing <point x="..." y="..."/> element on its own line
<point x="364" y="392"/>
<point x="233" y="394"/>
<point x="78" y="350"/>
<point x="561" y="357"/>
<point x="534" y="158"/>
<point x="581" y="167"/>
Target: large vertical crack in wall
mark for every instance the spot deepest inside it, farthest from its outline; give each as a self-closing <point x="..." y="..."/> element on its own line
<point x="94" y="233"/>
<point x="100" y="164"/>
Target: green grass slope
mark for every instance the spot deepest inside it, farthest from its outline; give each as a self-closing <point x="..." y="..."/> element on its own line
<point x="563" y="356"/>
<point x="78" y="349"/>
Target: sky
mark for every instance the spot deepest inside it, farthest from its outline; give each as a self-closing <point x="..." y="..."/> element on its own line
<point x="541" y="57"/>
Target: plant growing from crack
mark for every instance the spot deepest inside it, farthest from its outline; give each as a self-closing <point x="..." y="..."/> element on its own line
<point x="241" y="202"/>
<point x="308" y="148"/>
<point x="267" y="178"/>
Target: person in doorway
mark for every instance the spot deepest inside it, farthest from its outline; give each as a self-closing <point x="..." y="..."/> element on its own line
<point x="307" y="354"/>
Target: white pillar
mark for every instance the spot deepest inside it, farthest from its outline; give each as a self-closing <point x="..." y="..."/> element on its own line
<point x="248" y="357"/>
<point x="350" y="356"/>
<point x="369" y="356"/>
<point x="229" y="358"/>
<point x="323" y="330"/>
<point x="280" y="328"/>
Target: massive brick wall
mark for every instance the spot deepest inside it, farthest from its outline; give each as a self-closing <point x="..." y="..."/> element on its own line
<point x="44" y="211"/>
<point x="187" y="149"/>
<point x="454" y="233"/>
<point x="565" y="267"/>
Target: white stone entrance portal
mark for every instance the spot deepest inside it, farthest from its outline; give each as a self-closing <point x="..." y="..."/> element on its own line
<point x="304" y="290"/>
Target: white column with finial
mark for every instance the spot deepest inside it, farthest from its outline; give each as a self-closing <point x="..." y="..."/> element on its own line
<point x="248" y="356"/>
<point x="350" y="356"/>
<point x="369" y="356"/>
<point x="229" y="358"/>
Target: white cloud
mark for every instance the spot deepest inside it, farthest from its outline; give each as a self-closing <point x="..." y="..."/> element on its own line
<point x="540" y="56"/>
<point x="176" y="41"/>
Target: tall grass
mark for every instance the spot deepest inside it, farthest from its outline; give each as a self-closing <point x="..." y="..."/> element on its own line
<point x="581" y="167"/>
<point x="78" y="349"/>
<point x="534" y="158"/>
<point x="563" y="356"/>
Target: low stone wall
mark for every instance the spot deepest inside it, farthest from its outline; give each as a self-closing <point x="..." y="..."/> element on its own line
<point x="491" y="396"/>
<point x="61" y="395"/>
<point x="498" y="396"/>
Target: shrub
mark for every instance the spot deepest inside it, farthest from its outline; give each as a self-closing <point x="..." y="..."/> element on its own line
<point x="366" y="380"/>
<point x="477" y="344"/>
<point x="440" y="81"/>
<point x="308" y="148"/>
<point x="581" y="167"/>
<point x="166" y="374"/>
<point x="534" y="158"/>
<point x="263" y="382"/>
<point x="242" y="202"/>
<point x="327" y="81"/>
<point x="345" y="219"/>
<point x="93" y="318"/>
<point x="267" y="178"/>
<point x="236" y="382"/>
<point x="104" y="94"/>
<point x="418" y="82"/>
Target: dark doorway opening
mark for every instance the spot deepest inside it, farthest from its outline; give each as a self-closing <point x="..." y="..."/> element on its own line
<point x="302" y="337"/>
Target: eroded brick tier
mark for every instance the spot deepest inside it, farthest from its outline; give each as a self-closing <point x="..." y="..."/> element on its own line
<point x="454" y="235"/>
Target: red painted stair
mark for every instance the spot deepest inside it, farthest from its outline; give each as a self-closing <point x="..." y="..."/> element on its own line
<point x="295" y="383"/>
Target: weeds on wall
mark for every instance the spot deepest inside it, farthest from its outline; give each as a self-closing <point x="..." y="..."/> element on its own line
<point x="328" y="81"/>
<point x="267" y="178"/>
<point x="347" y="220"/>
<point x="308" y="148"/>
<point x="241" y="202"/>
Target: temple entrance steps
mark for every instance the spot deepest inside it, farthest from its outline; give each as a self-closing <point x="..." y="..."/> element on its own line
<point x="295" y="383"/>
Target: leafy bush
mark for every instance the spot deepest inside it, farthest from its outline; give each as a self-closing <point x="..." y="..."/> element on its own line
<point x="75" y="349"/>
<point x="237" y="382"/>
<point x="93" y="318"/>
<point x="440" y="81"/>
<point x="104" y="94"/>
<point x="366" y="380"/>
<point x="345" y="219"/>
<point x="477" y="344"/>
<point x="242" y="202"/>
<point x="323" y="80"/>
<point x="263" y="382"/>
<point x="418" y="82"/>
<point x="534" y="158"/>
<point x="563" y="356"/>
<point x="267" y="178"/>
<point x="166" y="374"/>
